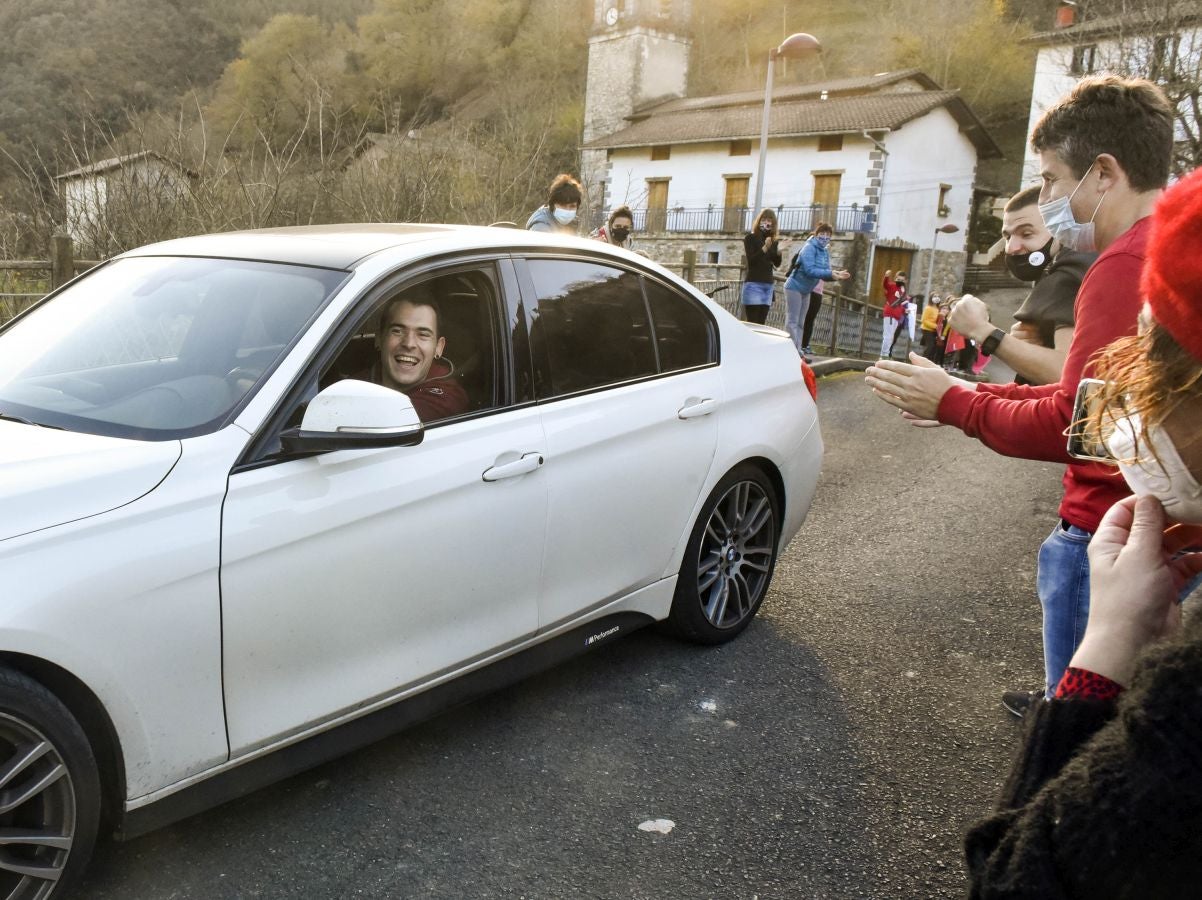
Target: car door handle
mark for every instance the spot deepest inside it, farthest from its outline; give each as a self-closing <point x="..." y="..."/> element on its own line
<point x="694" y="407"/>
<point x="527" y="462"/>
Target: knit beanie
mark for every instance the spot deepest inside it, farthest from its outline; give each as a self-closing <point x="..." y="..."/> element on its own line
<point x="1172" y="277"/>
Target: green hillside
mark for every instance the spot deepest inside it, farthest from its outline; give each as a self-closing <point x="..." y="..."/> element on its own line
<point x="272" y="91"/>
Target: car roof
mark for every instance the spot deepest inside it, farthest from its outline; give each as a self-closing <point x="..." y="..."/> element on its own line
<point x="342" y="246"/>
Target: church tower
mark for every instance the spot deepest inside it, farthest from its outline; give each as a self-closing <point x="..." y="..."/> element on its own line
<point x="638" y="54"/>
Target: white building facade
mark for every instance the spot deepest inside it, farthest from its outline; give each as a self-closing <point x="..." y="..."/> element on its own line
<point x="1163" y="44"/>
<point x="889" y="158"/>
<point x="125" y="186"/>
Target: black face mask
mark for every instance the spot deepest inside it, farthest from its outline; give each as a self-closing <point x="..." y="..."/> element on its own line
<point x="766" y="227"/>
<point x="620" y="235"/>
<point x="1030" y="266"/>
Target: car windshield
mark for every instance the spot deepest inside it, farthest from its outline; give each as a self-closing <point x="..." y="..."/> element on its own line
<point x="156" y="348"/>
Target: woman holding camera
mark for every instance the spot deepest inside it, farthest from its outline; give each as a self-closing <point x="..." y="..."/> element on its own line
<point x="763" y="256"/>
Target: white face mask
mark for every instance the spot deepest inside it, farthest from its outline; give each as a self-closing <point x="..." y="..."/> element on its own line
<point x="1168" y="480"/>
<point x="564" y="216"/>
<point x="1058" y="217"/>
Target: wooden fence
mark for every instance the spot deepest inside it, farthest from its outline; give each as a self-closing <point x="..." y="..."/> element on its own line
<point x="60" y="268"/>
<point x="846" y="325"/>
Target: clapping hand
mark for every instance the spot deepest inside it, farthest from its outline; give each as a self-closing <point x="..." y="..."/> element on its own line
<point x="1136" y="576"/>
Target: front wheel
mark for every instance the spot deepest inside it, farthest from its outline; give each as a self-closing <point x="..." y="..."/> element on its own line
<point x="729" y="559"/>
<point x="49" y="792"/>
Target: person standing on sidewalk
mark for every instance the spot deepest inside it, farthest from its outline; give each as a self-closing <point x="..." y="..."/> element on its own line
<point x="558" y="216"/>
<point x="1105" y="152"/>
<point x="811" y="266"/>
<point x="617" y="229"/>
<point x="930" y="326"/>
<point x="894" y="311"/>
<point x="763" y="256"/>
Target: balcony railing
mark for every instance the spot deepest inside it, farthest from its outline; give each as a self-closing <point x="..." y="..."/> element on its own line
<point x="738" y="219"/>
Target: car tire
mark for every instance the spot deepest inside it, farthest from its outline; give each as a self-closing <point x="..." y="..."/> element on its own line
<point x="729" y="559"/>
<point x="49" y="793"/>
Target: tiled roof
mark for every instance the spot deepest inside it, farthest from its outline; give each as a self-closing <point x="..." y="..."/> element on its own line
<point x="1182" y="13"/>
<point x="859" y="85"/>
<point x="117" y="162"/>
<point x="843" y="115"/>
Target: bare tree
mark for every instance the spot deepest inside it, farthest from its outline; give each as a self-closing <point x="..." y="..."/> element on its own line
<point x="1160" y="40"/>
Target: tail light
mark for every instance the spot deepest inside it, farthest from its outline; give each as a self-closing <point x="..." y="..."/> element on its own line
<point x="811" y="382"/>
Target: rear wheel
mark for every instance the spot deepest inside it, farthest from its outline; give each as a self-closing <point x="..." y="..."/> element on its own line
<point x="49" y="792"/>
<point x="729" y="559"/>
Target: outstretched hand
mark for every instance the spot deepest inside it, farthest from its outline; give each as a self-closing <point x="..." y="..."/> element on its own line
<point x="1135" y="578"/>
<point x="915" y="387"/>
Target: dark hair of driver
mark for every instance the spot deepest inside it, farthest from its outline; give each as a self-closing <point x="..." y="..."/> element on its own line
<point x="416" y="299"/>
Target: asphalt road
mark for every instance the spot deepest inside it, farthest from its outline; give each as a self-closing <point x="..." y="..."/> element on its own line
<point x="839" y="748"/>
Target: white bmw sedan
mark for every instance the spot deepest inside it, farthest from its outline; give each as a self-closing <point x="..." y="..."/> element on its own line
<point x="268" y="496"/>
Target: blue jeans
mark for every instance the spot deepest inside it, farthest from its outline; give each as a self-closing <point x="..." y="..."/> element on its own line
<point x="796" y="305"/>
<point x="1062" y="581"/>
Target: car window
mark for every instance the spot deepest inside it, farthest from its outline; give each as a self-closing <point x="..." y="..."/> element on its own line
<point x="156" y="347"/>
<point x="590" y="328"/>
<point x="436" y="340"/>
<point x="684" y="333"/>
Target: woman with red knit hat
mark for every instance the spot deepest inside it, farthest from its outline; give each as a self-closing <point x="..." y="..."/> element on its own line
<point x="1105" y="798"/>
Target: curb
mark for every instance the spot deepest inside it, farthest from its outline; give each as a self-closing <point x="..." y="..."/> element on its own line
<point x="836" y="364"/>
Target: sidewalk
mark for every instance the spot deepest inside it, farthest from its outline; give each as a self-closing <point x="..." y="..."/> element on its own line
<point x="1002" y="304"/>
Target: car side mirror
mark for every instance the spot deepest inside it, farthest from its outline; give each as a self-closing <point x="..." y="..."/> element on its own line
<point x="355" y="415"/>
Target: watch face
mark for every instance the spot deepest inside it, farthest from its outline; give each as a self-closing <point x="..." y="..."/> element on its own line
<point x="611" y="16"/>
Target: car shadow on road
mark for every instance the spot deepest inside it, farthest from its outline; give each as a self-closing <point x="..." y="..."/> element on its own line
<point x="539" y="791"/>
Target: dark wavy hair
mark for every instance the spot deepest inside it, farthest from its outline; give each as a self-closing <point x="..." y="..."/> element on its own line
<point x="1129" y="118"/>
<point x="565" y="190"/>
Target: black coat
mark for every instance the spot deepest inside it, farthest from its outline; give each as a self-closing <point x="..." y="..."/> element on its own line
<point x="759" y="263"/>
<point x="1105" y="798"/>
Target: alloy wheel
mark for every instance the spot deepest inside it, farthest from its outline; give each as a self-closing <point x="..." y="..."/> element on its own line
<point x="736" y="554"/>
<point x="37" y="812"/>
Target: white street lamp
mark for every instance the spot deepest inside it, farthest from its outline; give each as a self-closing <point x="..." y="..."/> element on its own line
<point x="949" y="228"/>
<point x="794" y="46"/>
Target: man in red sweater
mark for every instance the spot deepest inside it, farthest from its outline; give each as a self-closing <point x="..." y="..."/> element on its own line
<point x="1105" y="151"/>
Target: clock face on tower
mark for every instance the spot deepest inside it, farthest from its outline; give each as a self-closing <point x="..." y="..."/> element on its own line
<point x="611" y="16"/>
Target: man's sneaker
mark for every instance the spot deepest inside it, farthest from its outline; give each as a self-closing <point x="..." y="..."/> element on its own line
<point x="1018" y="702"/>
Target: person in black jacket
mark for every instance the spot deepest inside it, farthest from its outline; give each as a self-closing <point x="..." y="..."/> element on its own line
<point x="1036" y="345"/>
<point x="763" y="255"/>
<point x="1105" y="797"/>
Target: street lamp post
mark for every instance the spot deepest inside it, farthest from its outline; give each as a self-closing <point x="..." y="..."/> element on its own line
<point x="949" y="228"/>
<point x="792" y="47"/>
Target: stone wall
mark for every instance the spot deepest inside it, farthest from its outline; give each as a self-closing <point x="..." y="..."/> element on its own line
<point x="947" y="276"/>
<point x="668" y="249"/>
<point x="852" y="252"/>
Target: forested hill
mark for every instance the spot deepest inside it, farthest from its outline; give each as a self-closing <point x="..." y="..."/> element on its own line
<point x="300" y="111"/>
<point x="63" y="62"/>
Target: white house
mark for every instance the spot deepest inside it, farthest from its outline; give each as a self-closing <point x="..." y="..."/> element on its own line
<point x="1162" y="42"/>
<point x="890" y="157"/>
<point x="127" y="184"/>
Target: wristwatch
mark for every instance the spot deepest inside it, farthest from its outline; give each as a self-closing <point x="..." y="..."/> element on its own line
<point x="989" y="345"/>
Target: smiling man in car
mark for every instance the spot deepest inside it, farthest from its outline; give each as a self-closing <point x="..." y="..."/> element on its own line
<point x="411" y="350"/>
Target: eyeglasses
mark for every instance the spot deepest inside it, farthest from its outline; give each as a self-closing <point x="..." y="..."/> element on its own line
<point x="1082" y="445"/>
